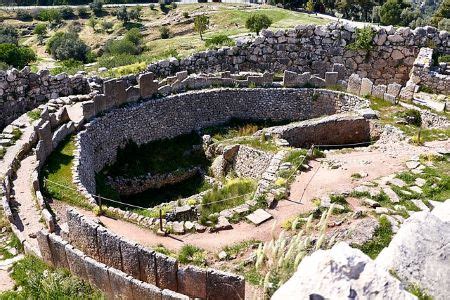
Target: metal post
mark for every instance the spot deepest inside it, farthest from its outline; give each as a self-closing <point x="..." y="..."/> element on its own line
<point x="418" y="135"/>
<point x="160" y="220"/>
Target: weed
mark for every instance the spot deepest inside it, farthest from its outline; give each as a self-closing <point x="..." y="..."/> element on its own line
<point x="417" y="291"/>
<point x="190" y="254"/>
<point x="160" y="248"/>
<point x="240" y="247"/>
<point x="34" y="114"/>
<point x="381" y="239"/>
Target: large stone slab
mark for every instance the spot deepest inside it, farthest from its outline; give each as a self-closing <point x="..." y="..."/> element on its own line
<point x="354" y="84"/>
<point x="224" y="286"/>
<point x="259" y="216"/>
<point x="130" y="258"/>
<point x="98" y="275"/>
<point x="147" y="265"/>
<point x="378" y="91"/>
<point x="58" y="250"/>
<point x="109" y="248"/>
<point x="166" y="270"/>
<point x="115" y="90"/>
<point x="88" y="109"/>
<point x="143" y="290"/>
<point x="192" y="282"/>
<point x="75" y="258"/>
<point x="120" y="284"/>
<point x="366" y="87"/>
<point x="44" y="247"/>
<point x="148" y="86"/>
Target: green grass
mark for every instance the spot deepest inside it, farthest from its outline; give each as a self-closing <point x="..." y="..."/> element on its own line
<point x="13" y="242"/>
<point x="58" y="168"/>
<point x="235" y="249"/>
<point x="34" y="114"/>
<point x="239" y="190"/>
<point x="2" y="152"/>
<point x="161" y="156"/>
<point x="381" y="239"/>
<point x="160" y="248"/>
<point x="193" y="255"/>
<point x="17" y="134"/>
<point x="252" y="276"/>
<point x="34" y="280"/>
<point x="418" y="292"/>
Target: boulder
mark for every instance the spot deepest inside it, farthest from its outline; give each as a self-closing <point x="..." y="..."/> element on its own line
<point x="339" y="272"/>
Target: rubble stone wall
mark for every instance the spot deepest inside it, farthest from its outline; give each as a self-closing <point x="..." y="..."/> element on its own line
<point x="314" y="48"/>
<point x="135" y="261"/>
<point x="250" y="162"/>
<point x="178" y="114"/>
<point x="332" y="130"/>
<point x="22" y="91"/>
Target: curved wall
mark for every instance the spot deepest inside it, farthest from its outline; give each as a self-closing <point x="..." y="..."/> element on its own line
<point x="313" y="48"/>
<point x="177" y="114"/>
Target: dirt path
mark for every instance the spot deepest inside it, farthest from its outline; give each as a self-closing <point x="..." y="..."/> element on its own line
<point x="321" y="179"/>
<point x="27" y="216"/>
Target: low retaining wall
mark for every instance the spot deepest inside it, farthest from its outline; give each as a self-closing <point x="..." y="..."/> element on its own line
<point x="149" y="266"/>
<point x="333" y="130"/>
<point x="178" y="114"/>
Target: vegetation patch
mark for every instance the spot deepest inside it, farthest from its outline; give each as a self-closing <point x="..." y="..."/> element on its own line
<point x="34" y="114"/>
<point x="190" y="254"/>
<point x="34" y="280"/>
<point x="381" y="239"/>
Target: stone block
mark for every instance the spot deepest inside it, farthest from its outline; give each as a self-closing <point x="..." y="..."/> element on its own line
<point x="109" y="248"/>
<point x="354" y="84"/>
<point x="340" y="69"/>
<point x="120" y="284"/>
<point x="289" y="79"/>
<point x="44" y="247"/>
<point x="224" y="286"/>
<point x="88" y="109"/>
<point x="100" y="103"/>
<point x="130" y="258"/>
<point x="366" y="87"/>
<point x="114" y="89"/>
<point x="75" y="258"/>
<point x="148" y="86"/>
<point x="331" y="78"/>
<point x="143" y="290"/>
<point x="48" y="219"/>
<point x="181" y="75"/>
<point x="166" y="270"/>
<point x="171" y="295"/>
<point x="58" y="250"/>
<point x="98" y="275"/>
<point x="378" y="91"/>
<point x="147" y="265"/>
<point x="45" y="135"/>
<point x="192" y="282"/>
<point x="389" y="98"/>
<point x="394" y="89"/>
<point x="133" y="94"/>
<point x="82" y="233"/>
<point x="316" y="81"/>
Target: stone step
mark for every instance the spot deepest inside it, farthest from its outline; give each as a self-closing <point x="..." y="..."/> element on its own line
<point x="259" y="216"/>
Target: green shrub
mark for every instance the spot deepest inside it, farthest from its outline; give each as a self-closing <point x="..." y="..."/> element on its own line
<point x="16" y="56"/>
<point x="134" y="35"/>
<point x="444" y="58"/>
<point x="201" y="23"/>
<point x="413" y="117"/>
<point x="50" y="15"/>
<point x="96" y="7"/>
<point x="122" y="46"/>
<point x="122" y="14"/>
<point x="186" y="14"/>
<point x="83" y="12"/>
<point x="34" y="114"/>
<point x="190" y="254"/>
<point x="70" y="66"/>
<point x="9" y="35"/>
<point x="68" y="45"/>
<point x="381" y="239"/>
<point x="67" y="12"/>
<point x="219" y="40"/>
<point x="257" y="22"/>
<point x="164" y="32"/>
<point x="24" y="15"/>
<point x="363" y="40"/>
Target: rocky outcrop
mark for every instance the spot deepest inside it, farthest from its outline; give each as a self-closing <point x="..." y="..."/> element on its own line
<point x="341" y="273"/>
<point x="420" y="252"/>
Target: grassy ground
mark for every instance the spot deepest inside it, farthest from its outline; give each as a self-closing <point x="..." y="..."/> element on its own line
<point x="58" y="169"/>
<point x="381" y="239"/>
<point x="34" y="280"/>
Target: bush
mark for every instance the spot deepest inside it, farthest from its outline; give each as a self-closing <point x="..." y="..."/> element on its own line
<point x="16" y="56"/>
<point x="136" y="13"/>
<point x="123" y="46"/>
<point x="122" y="14"/>
<point x="413" y="117"/>
<point x="186" y="14"/>
<point x="219" y="40"/>
<point x="164" y="32"/>
<point x="83" y="12"/>
<point x="9" y="35"/>
<point x="67" y="45"/>
<point x="50" y="15"/>
<point x="201" y="23"/>
<point x="444" y="58"/>
<point x="96" y="7"/>
<point x="67" y="12"/>
<point x="363" y="40"/>
<point x="24" y="15"/>
<point x="134" y="35"/>
<point x="152" y="6"/>
<point x="107" y="26"/>
<point x="40" y="30"/>
<point x="190" y="254"/>
<point x="257" y="22"/>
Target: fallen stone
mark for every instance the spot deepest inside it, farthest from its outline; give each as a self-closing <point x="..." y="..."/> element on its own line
<point x="420" y="205"/>
<point x="416" y="189"/>
<point x="391" y="194"/>
<point x="259" y="216"/>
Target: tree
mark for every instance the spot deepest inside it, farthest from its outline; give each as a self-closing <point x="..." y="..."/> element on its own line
<point x="257" y="22"/>
<point x="67" y="45"/>
<point x="390" y="12"/>
<point x="122" y="15"/>
<point x="201" y="23"/>
<point x="16" y="56"/>
<point x="310" y="6"/>
<point x="136" y="13"/>
<point x="97" y="7"/>
<point x="40" y="30"/>
<point x="443" y="12"/>
<point x="92" y="22"/>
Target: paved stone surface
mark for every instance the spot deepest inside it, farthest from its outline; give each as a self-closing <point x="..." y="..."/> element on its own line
<point x="259" y="216"/>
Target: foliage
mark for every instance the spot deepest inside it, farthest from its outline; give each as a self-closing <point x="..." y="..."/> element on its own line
<point x="190" y="254"/>
<point x="257" y="22"/>
<point x="36" y="281"/>
<point x="96" y="7"/>
<point x="136" y="13"/>
<point x="219" y="40"/>
<point x="278" y="259"/>
<point x="444" y="58"/>
<point x="186" y="14"/>
<point x="390" y="12"/>
<point x="442" y="13"/>
<point x="122" y="14"/>
<point x="70" y="66"/>
<point x="201" y="23"/>
<point x="82" y="12"/>
<point x="68" y="45"/>
<point x="67" y="12"/>
<point x="16" y="56"/>
<point x="164" y="32"/>
<point x="240" y="247"/>
<point x="40" y="30"/>
<point x="9" y="35"/>
<point x="310" y="6"/>
<point x="413" y="117"/>
<point x="50" y="15"/>
<point x="24" y="15"/>
<point x="236" y="191"/>
<point x="364" y="39"/>
<point x="381" y="239"/>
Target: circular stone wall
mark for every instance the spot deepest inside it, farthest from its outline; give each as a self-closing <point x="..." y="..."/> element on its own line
<point x="178" y="114"/>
